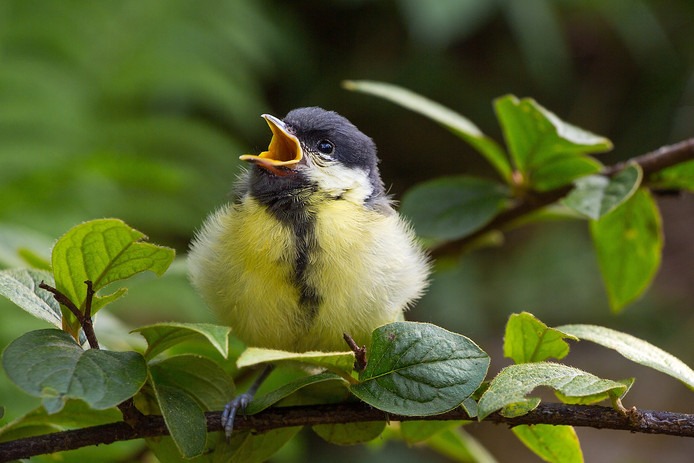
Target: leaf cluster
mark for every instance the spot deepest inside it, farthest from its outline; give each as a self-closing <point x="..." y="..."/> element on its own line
<point x="545" y="158"/>
<point x="184" y="370"/>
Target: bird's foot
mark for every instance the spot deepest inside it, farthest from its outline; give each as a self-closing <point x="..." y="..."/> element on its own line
<point x="241" y="401"/>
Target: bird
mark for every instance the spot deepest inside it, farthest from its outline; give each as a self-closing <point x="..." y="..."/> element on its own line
<point x="310" y="246"/>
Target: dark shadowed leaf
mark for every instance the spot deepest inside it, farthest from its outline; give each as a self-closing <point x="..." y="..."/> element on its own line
<point x="453" y="207"/>
<point x="419" y="369"/>
<point x="49" y="364"/>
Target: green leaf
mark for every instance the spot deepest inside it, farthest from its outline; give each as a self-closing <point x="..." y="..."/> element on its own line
<point x="184" y="385"/>
<point x="527" y="339"/>
<point x="184" y="419"/>
<point x="514" y="382"/>
<point x="417" y="431"/>
<point x="679" y="177"/>
<point x="249" y="447"/>
<point x="165" y="449"/>
<point x="628" y="243"/>
<point x="451" y="120"/>
<point x="537" y="138"/>
<point x="470" y="406"/>
<point x="103" y="251"/>
<point x="594" y="398"/>
<point x="634" y="349"/>
<point x="51" y="365"/>
<point x="349" y="433"/>
<point x="75" y="414"/>
<point x="520" y="408"/>
<point x="453" y="207"/>
<point x="20" y="246"/>
<point x="262" y="402"/>
<point x="596" y="196"/>
<point x="418" y="369"/>
<point x="334" y="361"/>
<point x="162" y="336"/>
<point x="21" y="286"/>
<point x="458" y="445"/>
<point x="556" y="444"/>
<point x="197" y="376"/>
<point x="560" y="171"/>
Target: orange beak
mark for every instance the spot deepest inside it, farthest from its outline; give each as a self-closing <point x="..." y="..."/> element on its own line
<point x="284" y="149"/>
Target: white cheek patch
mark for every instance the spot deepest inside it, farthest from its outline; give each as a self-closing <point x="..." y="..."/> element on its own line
<point x="338" y="180"/>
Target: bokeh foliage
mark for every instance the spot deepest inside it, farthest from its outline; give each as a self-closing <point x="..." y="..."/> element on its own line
<point x="139" y="110"/>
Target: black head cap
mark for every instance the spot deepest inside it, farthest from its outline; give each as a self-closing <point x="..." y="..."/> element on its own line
<point x="351" y="147"/>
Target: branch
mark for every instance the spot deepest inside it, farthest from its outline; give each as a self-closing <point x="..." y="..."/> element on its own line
<point x="644" y="421"/>
<point x="655" y="161"/>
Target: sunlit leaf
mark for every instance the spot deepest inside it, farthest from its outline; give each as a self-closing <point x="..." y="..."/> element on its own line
<point x="628" y="243"/>
<point x="458" y="445"/>
<point x="537" y="138"/>
<point x="556" y="444"/>
<point x="527" y="339"/>
<point x="102" y="251"/>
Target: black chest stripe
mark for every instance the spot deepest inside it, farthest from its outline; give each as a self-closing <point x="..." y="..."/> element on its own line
<point x="291" y="209"/>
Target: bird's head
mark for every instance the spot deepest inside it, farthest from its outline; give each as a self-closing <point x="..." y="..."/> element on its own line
<point x="322" y="149"/>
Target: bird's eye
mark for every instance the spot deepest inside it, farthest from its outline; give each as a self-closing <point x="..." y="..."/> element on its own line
<point x="325" y="146"/>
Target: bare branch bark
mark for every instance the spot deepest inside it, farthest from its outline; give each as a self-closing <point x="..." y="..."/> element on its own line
<point x="651" y="163"/>
<point x="643" y="421"/>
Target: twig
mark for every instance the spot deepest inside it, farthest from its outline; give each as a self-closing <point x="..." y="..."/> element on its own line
<point x="131" y="415"/>
<point x="644" y="421"/>
<point x="64" y="300"/>
<point x="86" y="322"/>
<point x="359" y="352"/>
<point x="652" y="162"/>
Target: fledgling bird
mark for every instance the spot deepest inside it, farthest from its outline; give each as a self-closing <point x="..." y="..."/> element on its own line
<point x="310" y="248"/>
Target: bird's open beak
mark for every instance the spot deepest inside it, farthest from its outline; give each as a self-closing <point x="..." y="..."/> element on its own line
<point x="284" y="149"/>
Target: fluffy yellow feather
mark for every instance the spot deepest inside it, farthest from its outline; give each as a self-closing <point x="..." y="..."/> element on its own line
<point x="310" y="248"/>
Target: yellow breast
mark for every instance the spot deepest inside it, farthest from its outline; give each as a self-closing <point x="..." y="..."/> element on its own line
<point x="361" y="265"/>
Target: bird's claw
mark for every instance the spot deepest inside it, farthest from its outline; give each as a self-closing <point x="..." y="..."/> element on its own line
<point x="240" y="401"/>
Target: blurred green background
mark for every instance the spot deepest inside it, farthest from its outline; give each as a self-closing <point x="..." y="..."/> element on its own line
<point x="139" y="110"/>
